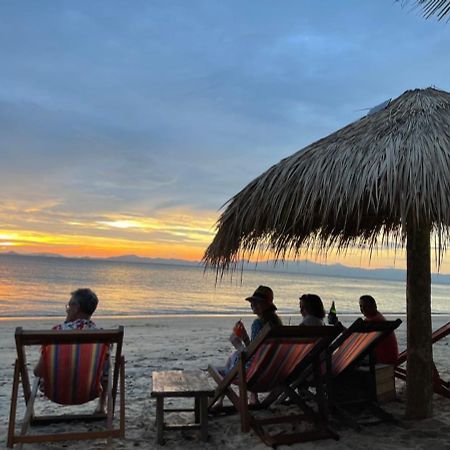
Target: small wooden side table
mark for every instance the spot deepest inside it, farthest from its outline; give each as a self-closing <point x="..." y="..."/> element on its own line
<point x="182" y="383"/>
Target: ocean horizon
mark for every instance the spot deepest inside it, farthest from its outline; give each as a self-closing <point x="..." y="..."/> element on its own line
<point x="40" y="286"/>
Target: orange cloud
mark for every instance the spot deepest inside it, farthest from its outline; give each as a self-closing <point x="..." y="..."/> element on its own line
<point x="178" y="233"/>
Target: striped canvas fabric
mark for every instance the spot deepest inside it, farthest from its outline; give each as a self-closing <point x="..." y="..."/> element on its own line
<point x="72" y="372"/>
<point x="350" y="349"/>
<point x="274" y="361"/>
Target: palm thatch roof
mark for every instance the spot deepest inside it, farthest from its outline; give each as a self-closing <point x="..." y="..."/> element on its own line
<point x="439" y="8"/>
<point x="359" y="185"/>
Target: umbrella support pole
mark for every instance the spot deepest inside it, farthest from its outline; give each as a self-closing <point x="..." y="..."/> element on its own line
<point x="419" y="381"/>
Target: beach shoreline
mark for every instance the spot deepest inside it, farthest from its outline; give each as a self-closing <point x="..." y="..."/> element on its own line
<point x="176" y="343"/>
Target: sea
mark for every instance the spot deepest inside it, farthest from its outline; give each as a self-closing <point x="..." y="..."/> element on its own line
<point x="34" y="286"/>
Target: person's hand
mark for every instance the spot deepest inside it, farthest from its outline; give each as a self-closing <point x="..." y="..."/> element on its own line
<point x="236" y="341"/>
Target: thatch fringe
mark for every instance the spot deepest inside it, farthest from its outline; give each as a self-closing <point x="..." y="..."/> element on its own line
<point x="358" y="186"/>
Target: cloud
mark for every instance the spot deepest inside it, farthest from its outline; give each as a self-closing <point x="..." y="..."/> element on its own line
<point x="145" y="110"/>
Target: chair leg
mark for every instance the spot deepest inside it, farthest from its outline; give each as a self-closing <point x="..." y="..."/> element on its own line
<point x="223" y="390"/>
<point x="13" y="409"/>
<point x="243" y="400"/>
<point x="110" y="405"/>
<point x="122" y="397"/>
<point x="29" y="410"/>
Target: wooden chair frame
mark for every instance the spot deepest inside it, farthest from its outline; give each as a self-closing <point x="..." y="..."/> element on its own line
<point x="321" y="337"/>
<point x="440" y="386"/>
<point x="333" y="381"/>
<point x="25" y="338"/>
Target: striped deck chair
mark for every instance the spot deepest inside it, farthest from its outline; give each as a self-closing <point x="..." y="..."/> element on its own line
<point x="440" y="386"/>
<point x="269" y="364"/>
<point x="358" y="342"/>
<point x="73" y="372"/>
<point x="348" y="352"/>
<point x="77" y="368"/>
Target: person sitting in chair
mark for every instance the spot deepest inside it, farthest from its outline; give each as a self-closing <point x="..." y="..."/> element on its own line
<point x="82" y="304"/>
<point x="262" y="305"/>
<point x="312" y="310"/>
<point x="386" y="352"/>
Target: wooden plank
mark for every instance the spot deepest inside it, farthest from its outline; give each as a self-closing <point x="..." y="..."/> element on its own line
<point x="88" y="435"/>
<point x="182" y="383"/>
<point x="13" y="408"/>
<point x="46" y="420"/>
<point x="44" y="337"/>
<point x="186" y="426"/>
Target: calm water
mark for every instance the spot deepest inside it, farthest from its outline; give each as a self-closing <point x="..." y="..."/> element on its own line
<point x="40" y="286"/>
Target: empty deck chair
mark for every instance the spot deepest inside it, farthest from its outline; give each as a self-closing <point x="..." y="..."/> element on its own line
<point x="77" y="368"/>
<point x="349" y="351"/>
<point x="439" y="385"/>
<point x="269" y="364"/>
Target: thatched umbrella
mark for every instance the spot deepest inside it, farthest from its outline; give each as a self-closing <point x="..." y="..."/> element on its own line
<point x="385" y="176"/>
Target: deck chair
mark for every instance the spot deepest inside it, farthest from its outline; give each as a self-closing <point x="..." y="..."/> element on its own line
<point x="349" y="351"/>
<point x="439" y="385"/>
<point x="77" y="366"/>
<point x="269" y="364"/>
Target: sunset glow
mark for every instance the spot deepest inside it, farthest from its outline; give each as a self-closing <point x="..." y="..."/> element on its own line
<point x="128" y="138"/>
<point x="177" y="235"/>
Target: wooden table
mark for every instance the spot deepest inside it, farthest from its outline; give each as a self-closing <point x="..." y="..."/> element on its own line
<point x="182" y="383"/>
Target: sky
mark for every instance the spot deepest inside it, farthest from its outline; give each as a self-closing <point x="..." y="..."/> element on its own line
<point x="125" y="126"/>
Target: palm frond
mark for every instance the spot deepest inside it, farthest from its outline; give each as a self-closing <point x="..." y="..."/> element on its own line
<point x="439" y="8"/>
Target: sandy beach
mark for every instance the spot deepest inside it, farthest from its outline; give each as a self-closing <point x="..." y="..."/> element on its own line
<point x="169" y="343"/>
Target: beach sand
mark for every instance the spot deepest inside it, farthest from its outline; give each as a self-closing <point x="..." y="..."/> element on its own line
<point x="169" y="343"/>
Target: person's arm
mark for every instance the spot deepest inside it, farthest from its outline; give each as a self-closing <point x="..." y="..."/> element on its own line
<point x="257" y="326"/>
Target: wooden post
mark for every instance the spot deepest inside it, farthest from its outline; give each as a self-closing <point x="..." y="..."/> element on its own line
<point x="160" y="420"/>
<point x="204" y="417"/>
<point x="419" y="383"/>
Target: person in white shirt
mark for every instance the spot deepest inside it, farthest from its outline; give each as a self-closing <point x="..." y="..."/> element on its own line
<point x="312" y="310"/>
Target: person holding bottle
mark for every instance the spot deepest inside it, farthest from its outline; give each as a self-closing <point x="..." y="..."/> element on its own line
<point x="263" y="307"/>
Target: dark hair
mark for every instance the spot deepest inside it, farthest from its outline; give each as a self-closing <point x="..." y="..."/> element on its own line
<point x="368" y="300"/>
<point x="313" y="305"/>
<point x="86" y="299"/>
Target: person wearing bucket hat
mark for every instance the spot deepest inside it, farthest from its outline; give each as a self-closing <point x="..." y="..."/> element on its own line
<point x="262" y="305"/>
<point x="262" y="293"/>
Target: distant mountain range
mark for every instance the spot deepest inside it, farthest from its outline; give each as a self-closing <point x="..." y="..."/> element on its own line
<point x="305" y="267"/>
